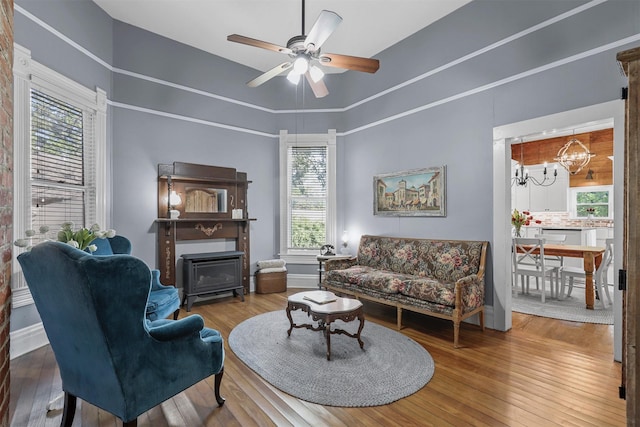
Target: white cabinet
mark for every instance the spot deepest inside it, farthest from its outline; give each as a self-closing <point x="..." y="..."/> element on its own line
<point x="602" y="234"/>
<point x="519" y="198"/>
<point x="530" y="232"/>
<point x="552" y="198"/>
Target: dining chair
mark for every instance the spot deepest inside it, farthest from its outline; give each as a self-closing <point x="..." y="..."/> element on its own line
<point x="556" y="261"/>
<point x="599" y="277"/>
<point x="529" y="261"/>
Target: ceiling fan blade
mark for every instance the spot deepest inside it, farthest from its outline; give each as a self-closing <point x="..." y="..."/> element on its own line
<point x="319" y="88"/>
<point x="355" y="63"/>
<point x="269" y="74"/>
<point x="326" y="23"/>
<point x="258" y="43"/>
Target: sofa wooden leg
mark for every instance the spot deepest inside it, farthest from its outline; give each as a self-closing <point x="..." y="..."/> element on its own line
<point x="399" y="318"/>
<point x="132" y="423"/>
<point x="456" y="333"/>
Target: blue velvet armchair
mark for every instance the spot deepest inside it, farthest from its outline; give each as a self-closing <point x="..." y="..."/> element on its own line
<point x="109" y="354"/>
<point x="163" y="300"/>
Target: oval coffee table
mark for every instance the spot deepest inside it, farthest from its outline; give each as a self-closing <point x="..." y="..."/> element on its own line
<point x="325" y="307"/>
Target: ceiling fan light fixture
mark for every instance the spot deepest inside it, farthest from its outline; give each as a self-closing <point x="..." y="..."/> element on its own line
<point x="301" y="64"/>
<point x="303" y="50"/>
<point x="316" y="73"/>
<point x="293" y="77"/>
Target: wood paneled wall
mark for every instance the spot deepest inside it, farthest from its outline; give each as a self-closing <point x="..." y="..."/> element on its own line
<point x="598" y="142"/>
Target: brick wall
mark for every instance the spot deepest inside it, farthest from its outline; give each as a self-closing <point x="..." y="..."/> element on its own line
<point x="6" y="196"/>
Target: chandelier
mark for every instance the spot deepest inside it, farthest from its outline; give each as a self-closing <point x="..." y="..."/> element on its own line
<point x="523" y="178"/>
<point x="574" y="156"/>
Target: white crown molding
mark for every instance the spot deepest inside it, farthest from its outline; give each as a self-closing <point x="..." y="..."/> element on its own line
<point x="506" y="40"/>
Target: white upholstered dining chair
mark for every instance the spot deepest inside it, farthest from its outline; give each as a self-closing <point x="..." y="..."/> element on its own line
<point x="599" y="276"/>
<point x="529" y="261"/>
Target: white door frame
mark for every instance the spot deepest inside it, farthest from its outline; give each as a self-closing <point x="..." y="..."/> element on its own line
<point x="502" y="139"/>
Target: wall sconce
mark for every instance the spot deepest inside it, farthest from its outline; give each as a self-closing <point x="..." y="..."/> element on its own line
<point x="345" y="243"/>
<point x="174" y="200"/>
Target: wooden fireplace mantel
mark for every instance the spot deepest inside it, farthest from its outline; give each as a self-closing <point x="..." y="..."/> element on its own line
<point x="213" y="221"/>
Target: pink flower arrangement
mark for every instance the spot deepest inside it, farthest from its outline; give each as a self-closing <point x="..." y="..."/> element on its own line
<point x="518" y="219"/>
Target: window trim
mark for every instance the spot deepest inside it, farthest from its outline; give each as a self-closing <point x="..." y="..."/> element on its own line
<point x="27" y="74"/>
<point x="326" y="140"/>
<point x="573" y="206"/>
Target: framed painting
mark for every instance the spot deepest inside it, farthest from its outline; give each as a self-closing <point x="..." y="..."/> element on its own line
<point x="418" y="192"/>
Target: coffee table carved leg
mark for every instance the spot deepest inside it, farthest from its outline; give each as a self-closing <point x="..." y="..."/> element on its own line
<point x="290" y="320"/>
<point x="327" y="334"/>
<point x="361" y="319"/>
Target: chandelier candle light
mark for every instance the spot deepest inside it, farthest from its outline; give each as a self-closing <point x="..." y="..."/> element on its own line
<point x="574" y="156"/>
<point x="522" y="176"/>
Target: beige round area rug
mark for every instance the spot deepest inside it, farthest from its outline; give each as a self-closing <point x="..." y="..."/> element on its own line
<point x="391" y="366"/>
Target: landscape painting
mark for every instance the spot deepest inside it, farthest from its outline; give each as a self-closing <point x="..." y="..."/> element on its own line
<point x="418" y="192"/>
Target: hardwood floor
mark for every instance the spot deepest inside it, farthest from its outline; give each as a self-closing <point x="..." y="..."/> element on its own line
<point x="543" y="372"/>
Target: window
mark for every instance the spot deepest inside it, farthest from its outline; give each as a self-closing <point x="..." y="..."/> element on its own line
<point x="58" y="152"/>
<point x="597" y="201"/>
<point x="59" y="155"/>
<point x="308" y="194"/>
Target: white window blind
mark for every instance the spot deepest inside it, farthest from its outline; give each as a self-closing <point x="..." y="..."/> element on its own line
<point x="308" y="197"/>
<point x="60" y="156"/>
<point x="58" y="159"/>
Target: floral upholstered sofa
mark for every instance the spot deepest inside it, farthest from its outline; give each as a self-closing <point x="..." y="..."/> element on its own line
<point x="441" y="278"/>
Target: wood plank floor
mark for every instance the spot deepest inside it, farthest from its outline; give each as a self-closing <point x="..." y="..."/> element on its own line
<point x="543" y="372"/>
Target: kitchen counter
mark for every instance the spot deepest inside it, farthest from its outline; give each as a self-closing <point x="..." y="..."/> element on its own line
<point x="565" y="227"/>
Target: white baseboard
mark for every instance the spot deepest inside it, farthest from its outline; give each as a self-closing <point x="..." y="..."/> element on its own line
<point x="27" y="339"/>
<point x="302" y="281"/>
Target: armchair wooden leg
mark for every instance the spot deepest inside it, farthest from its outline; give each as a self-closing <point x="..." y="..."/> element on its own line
<point x="216" y="389"/>
<point x="69" y="410"/>
<point x="132" y="423"/>
<point x="175" y="314"/>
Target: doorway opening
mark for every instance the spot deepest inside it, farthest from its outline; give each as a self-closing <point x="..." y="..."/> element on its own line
<point x="503" y="137"/>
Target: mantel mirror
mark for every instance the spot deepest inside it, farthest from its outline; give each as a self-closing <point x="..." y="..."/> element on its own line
<point x="205" y="200"/>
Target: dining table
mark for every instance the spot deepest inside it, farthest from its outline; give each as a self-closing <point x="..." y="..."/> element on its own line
<point x="591" y="256"/>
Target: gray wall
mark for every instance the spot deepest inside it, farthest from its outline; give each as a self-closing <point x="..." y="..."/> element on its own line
<point x="445" y="118"/>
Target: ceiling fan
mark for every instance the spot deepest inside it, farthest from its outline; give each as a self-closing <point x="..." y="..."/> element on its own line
<point x="304" y="51"/>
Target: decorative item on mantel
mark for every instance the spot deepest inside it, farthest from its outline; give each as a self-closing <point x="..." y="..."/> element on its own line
<point x="518" y="219"/>
<point x="174" y="200"/>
